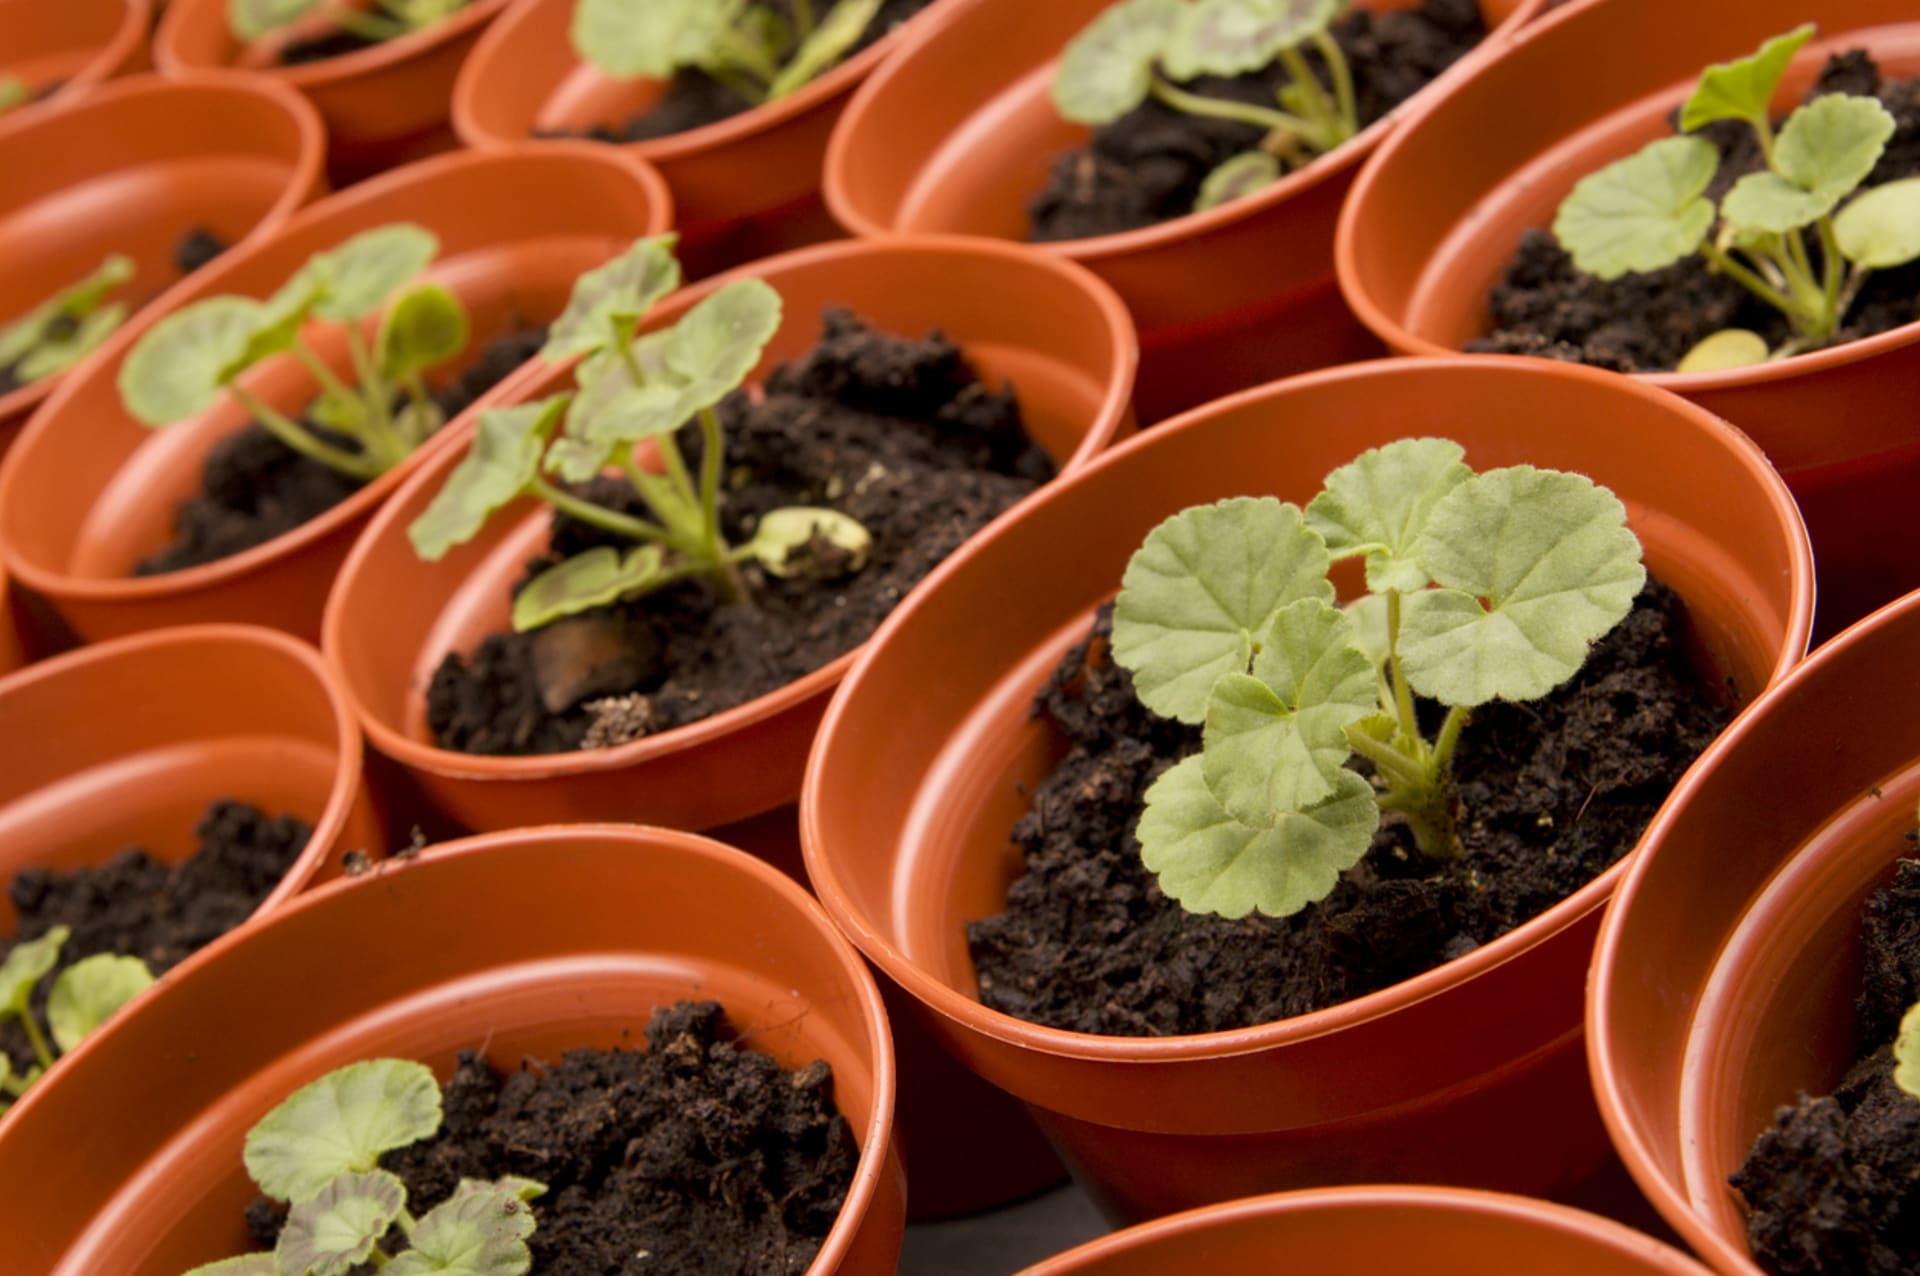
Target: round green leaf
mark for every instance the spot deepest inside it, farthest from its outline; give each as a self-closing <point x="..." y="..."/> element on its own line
<point x="1727" y="348"/>
<point x="600" y="576"/>
<point x="335" y="1230"/>
<point x="1906" y="1053"/>
<point x="27" y="964"/>
<point x="781" y="533"/>
<point x="480" y="1230"/>
<point x="649" y="39"/>
<point x="1107" y="69"/>
<point x="1200" y="590"/>
<point x="1535" y="566"/>
<point x="1231" y="37"/>
<point x="1211" y="863"/>
<point x="179" y="365"/>
<point x="1743" y="89"/>
<point x="718" y="342"/>
<point x="1238" y="177"/>
<point x="608" y="300"/>
<point x="1881" y="229"/>
<point x="1377" y="504"/>
<point x="357" y="277"/>
<point x="504" y="459"/>
<point x="1829" y="145"/>
<point x="89" y="992"/>
<point x="633" y="414"/>
<point x="1641" y="213"/>
<point x="426" y="326"/>
<point x="249" y="20"/>
<point x="341" y="1124"/>
<point x="1768" y="203"/>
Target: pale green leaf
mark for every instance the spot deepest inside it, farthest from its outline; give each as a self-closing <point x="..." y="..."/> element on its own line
<point x="89" y="992"/>
<point x="513" y="1185"/>
<point x="278" y="325"/>
<point x="346" y="413"/>
<point x="609" y="300"/>
<point x="480" y="1230"/>
<point x="341" y="1124"/>
<point x="836" y="33"/>
<point x="179" y="365"/>
<point x="1108" y="68"/>
<point x="252" y="19"/>
<point x="718" y="342"/>
<point x="578" y="460"/>
<point x="263" y="1264"/>
<point x="1769" y="204"/>
<point x="1830" y="145"/>
<point x="600" y="576"/>
<point x="419" y="14"/>
<point x="75" y="303"/>
<point x="1727" y="348"/>
<point x="1881" y="228"/>
<point x="1209" y="862"/>
<point x="1369" y="615"/>
<point x="14" y="91"/>
<point x="1535" y="566"/>
<point x="27" y="964"/>
<point x="1377" y="504"/>
<point x="633" y="414"/>
<point x="1200" y="590"/>
<point x="1231" y="37"/>
<point x="1239" y="177"/>
<point x="782" y="535"/>
<point x="58" y="354"/>
<point x="1743" y="89"/>
<point x="504" y="459"/>
<point x="1640" y="213"/>
<point x="357" y="277"/>
<point x="650" y="39"/>
<point x="1906" y="1053"/>
<point x="426" y="326"/>
<point x="333" y="1231"/>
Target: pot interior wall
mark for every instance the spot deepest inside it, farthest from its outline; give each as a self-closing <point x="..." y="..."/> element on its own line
<point x="47" y="43"/>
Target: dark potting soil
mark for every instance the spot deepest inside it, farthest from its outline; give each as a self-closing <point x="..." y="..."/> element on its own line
<point x="135" y="906"/>
<point x="699" y="1157"/>
<point x="901" y="435"/>
<point x="318" y="48"/>
<point x="1148" y="165"/>
<point x="253" y="487"/>
<point x="1647" y="323"/>
<point x="693" y="98"/>
<point x="1834" y="1186"/>
<point x="1551" y="793"/>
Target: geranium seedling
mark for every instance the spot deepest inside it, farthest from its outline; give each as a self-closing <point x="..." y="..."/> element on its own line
<point x="756" y="49"/>
<point x="252" y="20"/>
<point x="1481" y="587"/>
<point x="67" y="327"/>
<point x="1147" y="48"/>
<point x="319" y="1152"/>
<point x="84" y="996"/>
<point x="14" y="91"/>
<point x="1799" y="234"/>
<point x="184" y="362"/>
<point x="634" y="394"/>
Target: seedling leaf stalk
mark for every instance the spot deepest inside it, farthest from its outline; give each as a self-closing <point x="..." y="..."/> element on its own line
<point x="753" y="48"/>
<point x="84" y="996"/>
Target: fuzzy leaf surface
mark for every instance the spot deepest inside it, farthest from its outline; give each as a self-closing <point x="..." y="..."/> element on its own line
<point x="650" y="39"/>
<point x="837" y="32"/>
<point x="504" y="458"/>
<point x="333" y="1231"/>
<point x="1830" y="145"/>
<point x="89" y="992"/>
<point x="1743" y="89"/>
<point x="426" y="326"/>
<point x="600" y="576"/>
<point x="1377" y="504"/>
<point x="1108" y="68"/>
<point x="782" y="532"/>
<point x="1881" y="228"/>
<point x="1239" y="177"/>
<point x="178" y="366"/>
<point x="358" y="276"/>
<point x="26" y="965"/>
<point x="608" y="300"/>
<point x="1199" y="591"/>
<point x="1770" y="204"/>
<point x="718" y="342"/>
<point x="1231" y="37"/>
<point x="1640" y="213"/>
<point x="481" y="1230"/>
<point x="341" y="1124"/>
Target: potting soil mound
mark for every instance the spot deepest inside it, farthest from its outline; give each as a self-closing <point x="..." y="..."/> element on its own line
<point x="1834" y="1186"/>
<point x="1647" y="323"/>
<point x="698" y="1157"/>
<point x="1550" y="794"/>
<point x="692" y="98"/>
<point x="901" y="435"/>
<point x="135" y="906"/>
<point x="253" y="487"/>
<point x="1148" y="165"/>
<point x="319" y="48"/>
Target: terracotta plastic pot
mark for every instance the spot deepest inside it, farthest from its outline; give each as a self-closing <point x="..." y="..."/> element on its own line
<point x="746" y="187"/>
<point x="61" y="50"/>
<point x="958" y="133"/>
<point x="383" y="105"/>
<point x="13" y="643"/>
<point x="90" y="491"/>
<point x="526" y="943"/>
<point x="914" y="783"/>
<point x="1362" y="1231"/>
<point x="1727" y="969"/>
<point x="1438" y="213"/>
<point x="130" y="167"/>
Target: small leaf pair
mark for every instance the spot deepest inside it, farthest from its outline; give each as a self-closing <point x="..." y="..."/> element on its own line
<point x="84" y="996"/>
<point x="67" y="327"/>
<point x="751" y="47"/>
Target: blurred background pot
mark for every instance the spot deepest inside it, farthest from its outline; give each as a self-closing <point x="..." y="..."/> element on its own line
<point x="59" y="51"/>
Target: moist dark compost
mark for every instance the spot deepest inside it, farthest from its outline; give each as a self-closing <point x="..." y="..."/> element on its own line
<point x="698" y="1157"/>
<point x="1647" y="323"/>
<point x="1551" y="793"/>
<point x="901" y="435"/>
<point x="253" y="487"/>
<point x="327" y="44"/>
<point x="693" y="98"/>
<point x="1147" y="166"/>
<point x="135" y="906"/>
<point x="1834" y="1186"/>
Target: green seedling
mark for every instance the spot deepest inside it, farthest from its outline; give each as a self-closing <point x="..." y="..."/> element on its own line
<point x="14" y="91"/>
<point x="251" y="20"/>
<point x="1799" y="234"/>
<point x="67" y="327"/>
<point x="634" y="394"/>
<point x="1481" y="587"/>
<point x="751" y="47"/>
<point x="84" y="996"/>
<point x="184" y="362"/>
<point x="1146" y="48"/>
<point x="319" y="1152"/>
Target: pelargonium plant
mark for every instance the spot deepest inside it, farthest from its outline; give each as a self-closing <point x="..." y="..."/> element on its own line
<point x="67" y="327"/>
<point x="1800" y="233"/>
<point x="1480" y="587"/>
<point x="251" y="20"/>
<point x="84" y="996"/>
<point x="756" y="49"/>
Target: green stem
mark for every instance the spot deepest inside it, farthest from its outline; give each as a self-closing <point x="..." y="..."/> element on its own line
<point x="712" y="453"/>
<point x="1764" y="131"/>
<point x="677" y="472"/>
<point x="600" y="516"/>
<point x="302" y="441"/>
<point x="1726" y="264"/>
<point x="329" y="381"/>
<point x="1449" y="737"/>
<point x="1399" y="770"/>
<point x="1342" y="82"/>
<point x="1219" y="109"/>
<point x="1323" y="121"/>
<point x="41" y="1050"/>
<point x="383" y="439"/>
<point x="368" y="26"/>
<point x="425" y="410"/>
<point x="1402" y="694"/>
<point x="1428" y="816"/>
<point x="1832" y="263"/>
<point x="803" y="18"/>
<point x="749" y="57"/>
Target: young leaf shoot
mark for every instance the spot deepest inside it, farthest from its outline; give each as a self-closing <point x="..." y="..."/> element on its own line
<point x="84" y="996"/>
<point x="181" y="365"/>
<point x="1481" y="587"/>
<point x="761" y="52"/>
<point x="14" y="91"/>
<point x="1140" y="49"/>
<point x="67" y="327"/>
<point x="633" y="396"/>
<point x="251" y="20"/>
<point x="1799" y="234"/>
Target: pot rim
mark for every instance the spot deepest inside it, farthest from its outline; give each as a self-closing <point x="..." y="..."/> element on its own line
<point x="973" y="1015"/>
<point x="363" y="500"/>
<point x="1098" y="248"/>
<point x="104" y="98"/>
<point x="410" y="752"/>
<point x="120" y="50"/>
<point x="328" y="71"/>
